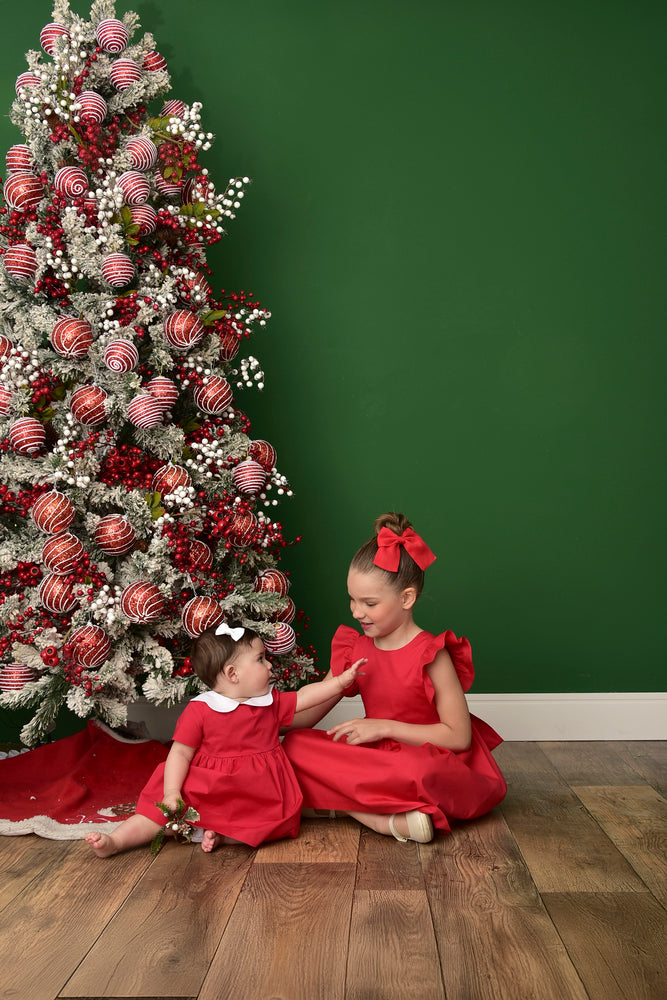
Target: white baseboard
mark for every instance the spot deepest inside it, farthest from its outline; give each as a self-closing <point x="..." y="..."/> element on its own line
<point x="625" y="715"/>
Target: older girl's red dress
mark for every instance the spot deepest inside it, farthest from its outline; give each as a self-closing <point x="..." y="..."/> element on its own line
<point x="388" y="776"/>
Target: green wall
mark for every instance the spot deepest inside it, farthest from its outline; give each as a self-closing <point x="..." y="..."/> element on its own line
<point x="457" y="219"/>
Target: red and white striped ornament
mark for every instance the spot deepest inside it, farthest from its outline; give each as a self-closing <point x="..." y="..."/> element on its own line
<point x="288" y="613"/>
<point x="5" y="348"/>
<point x="142" y="602"/>
<point x="249" y="476"/>
<point x="92" y="107"/>
<point x="135" y="187"/>
<point x="283" y="641"/>
<point x="15" y="676"/>
<point x="114" y="535"/>
<point x="89" y="645"/>
<point x="23" y="191"/>
<point x="71" y="337"/>
<point x="167" y="188"/>
<point x="172" y="109"/>
<point x="112" y="35"/>
<point x="164" y="390"/>
<point x="264" y="453"/>
<point x="19" y="159"/>
<point x="27" y="436"/>
<point x="71" y="181"/>
<point x="21" y="262"/>
<point x="201" y="557"/>
<point x="53" y="512"/>
<point x="121" y="356"/>
<point x="61" y="553"/>
<point x="145" y="411"/>
<point x="242" y="528"/>
<point x="229" y="345"/>
<point x="117" y="269"/>
<point x="214" y="395"/>
<point x="199" y="614"/>
<point x="272" y="581"/>
<point x="145" y="217"/>
<point x="194" y="190"/>
<point x="169" y="477"/>
<point x="154" y="62"/>
<point x="5" y="400"/>
<point x="55" y="593"/>
<point x="49" y="34"/>
<point x="26" y="79"/>
<point x="87" y="405"/>
<point x="193" y="286"/>
<point x="143" y="152"/>
<point x="124" y="72"/>
<point x="183" y="329"/>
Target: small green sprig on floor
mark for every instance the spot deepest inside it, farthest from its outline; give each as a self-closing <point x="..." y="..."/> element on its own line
<point x="179" y="824"/>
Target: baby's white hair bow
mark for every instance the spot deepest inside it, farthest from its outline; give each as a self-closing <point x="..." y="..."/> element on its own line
<point x="236" y="633"/>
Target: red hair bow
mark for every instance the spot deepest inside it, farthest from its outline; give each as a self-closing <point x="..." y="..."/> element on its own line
<point x="389" y="549"/>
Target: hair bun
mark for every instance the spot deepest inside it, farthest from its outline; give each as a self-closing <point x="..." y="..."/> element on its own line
<point x="397" y="523"/>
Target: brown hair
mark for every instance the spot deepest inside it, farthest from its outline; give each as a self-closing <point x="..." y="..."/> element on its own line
<point x="210" y="653"/>
<point x="408" y="574"/>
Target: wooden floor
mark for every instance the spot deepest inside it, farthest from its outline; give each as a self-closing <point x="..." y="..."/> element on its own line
<point x="559" y="894"/>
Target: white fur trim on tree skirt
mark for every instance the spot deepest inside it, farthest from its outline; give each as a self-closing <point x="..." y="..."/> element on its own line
<point x="50" y="829"/>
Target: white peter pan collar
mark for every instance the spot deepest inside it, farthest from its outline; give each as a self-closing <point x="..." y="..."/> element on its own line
<point x="220" y="703"/>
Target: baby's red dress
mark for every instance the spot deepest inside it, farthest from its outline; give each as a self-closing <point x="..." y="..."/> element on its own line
<point x="389" y="776"/>
<point x="239" y="781"/>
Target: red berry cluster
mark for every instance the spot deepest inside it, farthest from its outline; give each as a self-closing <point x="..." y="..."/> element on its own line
<point x="19" y="503"/>
<point x="130" y="466"/>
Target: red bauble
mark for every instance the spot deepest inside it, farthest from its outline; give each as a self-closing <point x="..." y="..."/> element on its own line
<point x="92" y="107"/>
<point x="229" y="346"/>
<point x="145" y="411"/>
<point x="183" y="329"/>
<point x="288" y="613"/>
<point x="5" y="401"/>
<point x="71" y="182"/>
<point x="249" y="476"/>
<point x="26" y="436"/>
<point x="135" y="187"/>
<point x="214" y="395"/>
<point x="23" y="191"/>
<point x="121" y="356"/>
<point x="61" y="553"/>
<point x="124" y="72"/>
<point x="199" y="614"/>
<point x="26" y="79"/>
<point x="87" y="405"/>
<point x="15" y="676"/>
<point x="71" y="337"/>
<point x="264" y="453"/>
<point x="164" y="390"/>
<point x="114" y="535"/>
<point x="53" y="512"/>
<point x="90" y="646"/>
<point x="172" y="109"/>
<point x="117" y="269"/>
<point x="201" y="557"/>
<point x="55" y="593"/>
<point x="5" y="348"/>
<point x="272" y="581"/>
<point x="143" y="152"/>
<point x="167" y="188"/>
<point x="112" y="35"/>
<point x="49" y="34"/>
<point x="145" y="217"/>
<point x="242" y="528"/>
<point x="193" y="287"/>
<point x="153" y="62"/>
<point x="21" y="261"/>
<point x="142" y="602"/>
<point x="169" y="477"/>
<point x="284" y="640"/>
<point x="19" y="159"/>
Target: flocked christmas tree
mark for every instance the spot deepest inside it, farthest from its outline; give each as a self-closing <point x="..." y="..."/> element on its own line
<point x="136" y="509"/>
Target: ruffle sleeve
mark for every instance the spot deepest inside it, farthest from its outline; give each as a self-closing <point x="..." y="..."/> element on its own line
<point x="458" y="649"/>
<point x="343" y="655"/>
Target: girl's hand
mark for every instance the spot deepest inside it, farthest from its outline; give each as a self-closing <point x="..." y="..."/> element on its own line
<point x="359" y="731"/>
<point x="171" y="800"/>
<point x="349" y="676"/>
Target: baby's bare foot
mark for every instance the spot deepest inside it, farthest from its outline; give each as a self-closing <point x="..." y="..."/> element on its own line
<point x="103" y="845"/>
<point x="210" y="841"/>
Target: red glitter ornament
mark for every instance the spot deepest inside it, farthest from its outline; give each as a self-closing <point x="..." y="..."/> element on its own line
<point x="71" y="337"/>
<point x="112" y="35"/>
<point x="15" y="676"/>
<point x="5" y="400"/>
<point x="49" y="34"/>
<point x="193" y="286"/>
<point x="272" y="581"/>
<point x="87" y="405"/>
<point x="183" y="329"/>
<point x="145" y="411"/>
<point x="249" y="476"/>
<point x="26" y="79"/>
<point x="55" y="593"/>
<point x="114" y="535"/>
<point x="153" y="62"/>
<point x="27" y="436"/>
<point x="89" y="646"/>
<point x="168" y="478"/>
<point x="21" y="261"/>
<point x="214" y="395"/>
<point x="264" y="453"/>
<point x="124" y="72"/>
<point x="283" y="641"/>
<point x="288" y="613"/>
<point x="53" y="512"/>
<point x="164" y="390"/>
<point x="145" y="217"/>
<point x="92" y="107"/>
<point x="19" y="159"/>
<point x="143" y="152"/>
<point x="72" y="182"/>
<point x="62" y="552"/>
<point x="199" y="614"/>
<point x="242" y="528"/>
<point x="117" y="269"/>
<point x="23" y="191"/>
<point x="142" y="602"/>
<point x="167" y="188"/>
<point x="135" y="187"/>
<point x="121" y="356"/>
<point x="172" y="109"/>
<point x="229" y="345"/>
<point x="201" y="557"/>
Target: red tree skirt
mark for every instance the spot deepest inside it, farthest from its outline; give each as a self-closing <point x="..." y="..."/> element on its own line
<point x="64" y="789"/>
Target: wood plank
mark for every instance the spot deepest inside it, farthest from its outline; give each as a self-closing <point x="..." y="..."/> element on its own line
<point x="384" y="863"/>
<point x="287" y="936"/>
<point x="649" y="758"/>
<point x="635" y="819"/>
<point x="22" y="860"/>
<point x="60" y="915"/>
<point x="590" y="763"/>
<point x="173" y="919"/>
<point x="393" y="952"/>
<point x="325" y="841"/>
<point x="616" y="940"/>
<point x="494" y="935"/>
<point x="564" y="847"/>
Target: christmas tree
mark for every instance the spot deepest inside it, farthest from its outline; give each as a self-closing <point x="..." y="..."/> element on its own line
<point x="136" y="509"/>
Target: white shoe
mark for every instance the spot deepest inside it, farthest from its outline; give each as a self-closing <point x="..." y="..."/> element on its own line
<point x="420" y="827"/>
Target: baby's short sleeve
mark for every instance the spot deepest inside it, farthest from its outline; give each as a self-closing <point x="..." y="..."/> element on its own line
<point x="190" y="725"/>
<point x="285" y="706"/>
<point x="343" y="654"/>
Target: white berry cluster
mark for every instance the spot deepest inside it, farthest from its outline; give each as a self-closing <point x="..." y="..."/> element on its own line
<point x="187" y="127"/>
<point x="251" y="375"/>
<point x="196" y="363"/>
<point x="41" y="104"/>
<point x="282" y="489"/>
<point x="103" y="607"/>
<point x="181" y="499"/>
<point x="210" y="457"/>
<point x="64" y="268"/>
<point x="20" y="368"/>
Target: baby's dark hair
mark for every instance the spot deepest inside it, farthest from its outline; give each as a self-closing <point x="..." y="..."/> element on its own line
<point x="210" y="653"/>
<point x="408" y="574"/>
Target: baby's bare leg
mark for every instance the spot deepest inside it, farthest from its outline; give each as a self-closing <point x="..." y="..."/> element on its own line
<point x="134" y="831"/>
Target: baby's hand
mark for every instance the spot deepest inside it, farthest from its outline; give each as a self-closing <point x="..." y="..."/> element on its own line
<point x="348" y="676"/>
